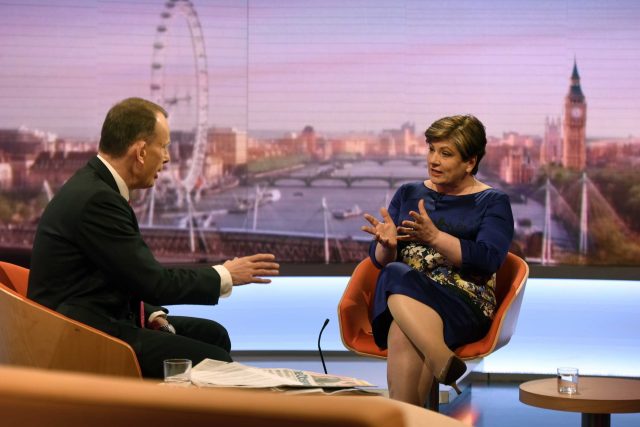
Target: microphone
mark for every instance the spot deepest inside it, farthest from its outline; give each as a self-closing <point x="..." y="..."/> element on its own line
<point x="326" y="322"/>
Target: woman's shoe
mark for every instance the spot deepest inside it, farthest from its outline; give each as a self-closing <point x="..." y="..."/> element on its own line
<point x="455" y="369"/>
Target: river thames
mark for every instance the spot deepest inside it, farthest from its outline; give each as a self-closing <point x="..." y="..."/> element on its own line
<point x="297" y="208"/>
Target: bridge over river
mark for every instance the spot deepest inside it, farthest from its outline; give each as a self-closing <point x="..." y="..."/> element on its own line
<point x="172" y="245"/>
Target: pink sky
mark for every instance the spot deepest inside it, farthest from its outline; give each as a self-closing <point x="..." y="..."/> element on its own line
<point x="339" y="66"/>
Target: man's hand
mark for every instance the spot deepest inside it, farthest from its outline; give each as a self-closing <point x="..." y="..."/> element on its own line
<point x="247" y="269"/>
<point x="161" y="324"/>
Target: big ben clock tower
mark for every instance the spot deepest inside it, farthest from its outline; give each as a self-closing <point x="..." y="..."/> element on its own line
<point x="574" y="125"/>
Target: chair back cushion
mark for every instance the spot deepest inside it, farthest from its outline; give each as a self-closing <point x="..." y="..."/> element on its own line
<point x="353" y="310"/>
<point x="510" y="283"/>
<point x="15" y="277"/>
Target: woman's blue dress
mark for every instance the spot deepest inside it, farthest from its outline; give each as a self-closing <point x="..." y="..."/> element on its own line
<point x="463" y="297"/>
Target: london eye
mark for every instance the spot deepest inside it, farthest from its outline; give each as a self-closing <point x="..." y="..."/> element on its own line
<point x="189" y="180"/>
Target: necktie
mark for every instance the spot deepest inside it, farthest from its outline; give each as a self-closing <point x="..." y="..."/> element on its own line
<point x="142" y="316"/>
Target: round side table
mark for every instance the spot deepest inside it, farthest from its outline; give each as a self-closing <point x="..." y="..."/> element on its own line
<point x="597" y="398"/>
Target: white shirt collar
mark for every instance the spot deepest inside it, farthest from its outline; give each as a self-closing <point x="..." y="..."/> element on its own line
<point x="122" y="186"/>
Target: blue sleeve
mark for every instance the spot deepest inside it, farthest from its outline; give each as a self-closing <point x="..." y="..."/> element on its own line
<point x="487" y="252"/>
<point x="394" y="213"/>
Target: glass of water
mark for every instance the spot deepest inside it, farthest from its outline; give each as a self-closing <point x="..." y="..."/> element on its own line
<point x="177" y="371"/>
<point x="567" y="380"/>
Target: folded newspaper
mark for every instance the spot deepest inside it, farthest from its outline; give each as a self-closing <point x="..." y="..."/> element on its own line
<point x="214" y="373"/>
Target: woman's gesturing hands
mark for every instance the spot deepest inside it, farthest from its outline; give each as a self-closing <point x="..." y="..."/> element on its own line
<point x="387" y="234"/>
<point x="420" y="229"/>
<point x="383" y="231"/>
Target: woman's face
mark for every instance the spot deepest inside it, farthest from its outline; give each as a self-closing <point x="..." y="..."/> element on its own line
<point x="445" y="164"/>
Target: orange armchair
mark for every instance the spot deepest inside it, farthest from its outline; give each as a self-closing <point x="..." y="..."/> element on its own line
<point x="32" y="335"/>
<point x="355" y="324"/>
<point x="15" y="277"/>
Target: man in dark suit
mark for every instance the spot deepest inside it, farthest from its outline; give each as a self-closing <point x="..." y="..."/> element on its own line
<point x="89" y="261"/>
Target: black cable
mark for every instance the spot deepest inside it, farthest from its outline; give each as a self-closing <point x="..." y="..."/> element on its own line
<point x="326" y="322"/>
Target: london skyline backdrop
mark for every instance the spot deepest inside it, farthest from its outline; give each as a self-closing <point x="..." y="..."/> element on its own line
<point x="338" y="66"/>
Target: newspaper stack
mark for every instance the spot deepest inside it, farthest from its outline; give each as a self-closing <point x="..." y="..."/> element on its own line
<point x="214" y="373"/>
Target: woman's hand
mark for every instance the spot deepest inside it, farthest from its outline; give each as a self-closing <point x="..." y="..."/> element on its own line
<point x="420" y="229"/>
<point x="384" y="231"/>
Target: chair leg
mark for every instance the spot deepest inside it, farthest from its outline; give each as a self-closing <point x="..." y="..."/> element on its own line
<point x="433" y="400"/>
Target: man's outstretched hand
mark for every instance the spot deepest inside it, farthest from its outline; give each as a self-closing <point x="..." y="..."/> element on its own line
<point x="250" y="269"/>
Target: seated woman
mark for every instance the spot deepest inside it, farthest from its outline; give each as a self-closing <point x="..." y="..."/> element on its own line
<point x="439" y="245"/>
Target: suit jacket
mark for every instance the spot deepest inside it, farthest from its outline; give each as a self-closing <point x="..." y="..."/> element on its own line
<point x="89" y="261"/>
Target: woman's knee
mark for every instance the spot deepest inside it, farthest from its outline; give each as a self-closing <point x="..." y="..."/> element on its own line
<point x="394" y="270"/>
<point x="397" y="341"/>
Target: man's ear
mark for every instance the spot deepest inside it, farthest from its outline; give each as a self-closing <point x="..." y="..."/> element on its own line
<point x="140" y="149"/>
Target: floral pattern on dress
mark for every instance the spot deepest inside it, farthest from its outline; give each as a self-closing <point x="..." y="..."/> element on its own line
<point x="480" y="289"/>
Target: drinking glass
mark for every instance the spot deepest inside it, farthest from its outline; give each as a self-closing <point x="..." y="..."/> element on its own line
<point x="567" y="380"/>
<point x="177" y="371"/>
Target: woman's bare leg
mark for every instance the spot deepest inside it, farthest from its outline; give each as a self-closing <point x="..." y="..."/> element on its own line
<point x="423" y="327"/>
<point x="405" y="365"/>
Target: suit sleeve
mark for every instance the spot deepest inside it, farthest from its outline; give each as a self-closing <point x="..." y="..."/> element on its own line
<point x="150" y="309"/>
<point x="108" y="233"/>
